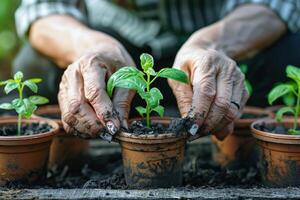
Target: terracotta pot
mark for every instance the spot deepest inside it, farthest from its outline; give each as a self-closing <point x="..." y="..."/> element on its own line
<point x="66" y="149"/>
<point x="152" y="161"/>
<point x="280" y="155"/>
<point x="24" y="158"/>
<point x="238" y="149"/>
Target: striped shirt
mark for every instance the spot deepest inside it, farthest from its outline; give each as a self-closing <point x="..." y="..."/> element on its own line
<point x="161" y="25"/>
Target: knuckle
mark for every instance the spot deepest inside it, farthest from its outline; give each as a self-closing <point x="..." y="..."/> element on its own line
<point x="207" y="90"/>
<point x="92" y="93"/>
<point x="222" y="104"/>
<point x="231" y="114"/>
<point x="68" y="118"/>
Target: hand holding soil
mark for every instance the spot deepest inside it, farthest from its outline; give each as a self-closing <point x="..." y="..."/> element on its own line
<point x="85" y="106"/>
<point x="217" y="92"/>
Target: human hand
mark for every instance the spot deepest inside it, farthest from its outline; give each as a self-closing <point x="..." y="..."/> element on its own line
<point x="86" y="108"/>
<point x="216" y="94"/>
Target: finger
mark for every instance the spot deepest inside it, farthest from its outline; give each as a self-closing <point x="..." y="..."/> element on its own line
<point x="122" y="100"/>
<point x="78" y="114"/>
<point x="94" y="76"/>
<point x="204" y="91"/>
<point x="183" y="94"/>
<point x="223" y="97"/>
<point x="234" y="112"/>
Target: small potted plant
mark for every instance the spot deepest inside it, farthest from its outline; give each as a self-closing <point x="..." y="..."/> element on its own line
<point x="152" y="151"/>
<point x="279" y="139"/>
<point x="24" y="143"/>
<point x="66" y="149"/>
<point x="238" y="149"/>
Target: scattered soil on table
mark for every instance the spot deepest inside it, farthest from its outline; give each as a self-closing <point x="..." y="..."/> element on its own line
<point x="278" y="129"/>
<point x="177" y="126"/>
<point x="253" y="116"/>
<point x="27" y="129"/>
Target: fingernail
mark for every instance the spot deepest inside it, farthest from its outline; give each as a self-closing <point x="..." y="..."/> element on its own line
<point x="106" y="137"/>
<point x="194" y="129"/>
<point x="111" y="128"/>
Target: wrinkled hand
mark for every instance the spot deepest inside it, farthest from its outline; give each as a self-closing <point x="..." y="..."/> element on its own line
<point x="215" y="82"/>
<point x="86" y="108"/>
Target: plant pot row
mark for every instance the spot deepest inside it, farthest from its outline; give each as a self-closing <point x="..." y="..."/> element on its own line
<point x="152" y="161"/>
<point x="25" y="159"/>
<point x="277" y="156"/>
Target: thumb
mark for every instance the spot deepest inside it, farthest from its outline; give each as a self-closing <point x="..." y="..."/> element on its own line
<point x="121" y="102"/>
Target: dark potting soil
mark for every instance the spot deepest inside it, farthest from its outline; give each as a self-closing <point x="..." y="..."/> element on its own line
<point x="278" y="129"/>
<point x="177" y="126"/>
<point x="253" y="116"/>
<point x="27" y="129"/>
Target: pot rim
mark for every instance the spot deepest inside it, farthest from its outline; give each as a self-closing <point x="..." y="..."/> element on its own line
<point x="273" y="137"/>
<point x="245" y="123"/>
<point x="26" y="139"/>
<point x="151" y="138"/>
<point x="48" y="109"/>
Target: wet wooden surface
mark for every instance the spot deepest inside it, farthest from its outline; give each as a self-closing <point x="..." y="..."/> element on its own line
<point x="229" y="193"/>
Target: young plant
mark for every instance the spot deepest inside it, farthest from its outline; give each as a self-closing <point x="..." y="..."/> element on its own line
<point x="131" y="78"/>
<point x="23" y="106"/>
<point x="288" y="91"/>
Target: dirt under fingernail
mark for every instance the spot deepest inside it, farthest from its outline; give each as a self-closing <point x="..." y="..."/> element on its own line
<point x="194" y="129"/>
<point x="111" y="127"/>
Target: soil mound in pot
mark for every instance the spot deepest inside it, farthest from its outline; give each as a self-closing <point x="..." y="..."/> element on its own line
<point x="177" y="126"/>
<point x="270" y="128"/>
<point x="27" y="129"/>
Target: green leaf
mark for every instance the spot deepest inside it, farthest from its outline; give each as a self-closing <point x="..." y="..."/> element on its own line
<point x="147" y="61"/>
<point x="35" y="80"/>
<point x="151" y="72"/>
<point x="289" y="99"/>
<point x="31" y="85"/>
<point x="6" y="106"/>
<point x="141" y="110"/>
<point x="25" y="107"/>
<point x="18" y="76"/>
<point x="293" y="73"/>
<point x="244" y="68"/>
<point x="154" y="97"/>
<point x="293" y="132"/>
<point x="174" y="74"/>
<point x="279" y="91"/>
<point x="38" y="100"/>
<point x="126" y="77"/>
<point x="282" y="111"/>
<point x="248" y="87"/>
<point x="160" y="110"/>
<point x="10" y="87"/>
<point x="7" y="81"/>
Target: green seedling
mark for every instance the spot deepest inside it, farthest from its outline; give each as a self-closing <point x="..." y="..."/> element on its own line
<point x="23" y="106"/>
<point x="244" y="70"/>
<point x="131" y="78"/>
<point x="290" y="92"/>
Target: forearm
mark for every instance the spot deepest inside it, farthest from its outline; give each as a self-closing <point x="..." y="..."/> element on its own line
<point x="64" y="39"/>
<point x="246" y="31"/>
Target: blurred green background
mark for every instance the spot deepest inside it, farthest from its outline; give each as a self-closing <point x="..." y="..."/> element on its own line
<point x="9" y="42"/>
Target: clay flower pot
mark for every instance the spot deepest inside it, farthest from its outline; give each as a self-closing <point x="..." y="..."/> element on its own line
<point x="280" y="155"/>
<point x="238" y="149"/>
<point x="24" y="158"/>
<point x="66" y="149"/>
<point x="152" y="161"/>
